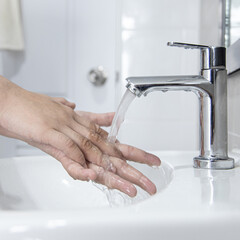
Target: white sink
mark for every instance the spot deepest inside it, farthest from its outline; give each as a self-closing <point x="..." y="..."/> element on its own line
<point x="41" y="183"/>
<point x="38" y="200"/>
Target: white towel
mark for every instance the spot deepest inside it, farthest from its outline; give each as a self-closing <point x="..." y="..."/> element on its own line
<point x="11" y="34"/>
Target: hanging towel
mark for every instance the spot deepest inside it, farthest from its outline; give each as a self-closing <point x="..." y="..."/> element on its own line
<point x="11" y="34"/>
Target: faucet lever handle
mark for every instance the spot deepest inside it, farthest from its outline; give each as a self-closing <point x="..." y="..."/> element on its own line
<point x="188" y="45"/>
<point x="211" y="57"/>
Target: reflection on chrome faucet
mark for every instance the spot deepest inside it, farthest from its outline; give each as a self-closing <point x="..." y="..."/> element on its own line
<point x="215" y="186"/>
<point x="211" y="88"/>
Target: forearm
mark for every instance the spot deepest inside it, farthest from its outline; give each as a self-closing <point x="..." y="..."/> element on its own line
<point x="6" y="88"/>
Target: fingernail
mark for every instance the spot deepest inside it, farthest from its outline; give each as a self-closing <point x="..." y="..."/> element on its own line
<point x="149" y="186"/>
<point x="154" y="160"/>
<point x="91" y="176"/>
<point x="131" y="191"/>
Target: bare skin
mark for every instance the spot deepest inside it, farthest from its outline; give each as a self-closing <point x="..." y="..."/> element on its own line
<point x="74" y="138"/>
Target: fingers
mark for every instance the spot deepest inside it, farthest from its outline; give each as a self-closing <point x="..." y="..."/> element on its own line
<point x="65" y="144"/>
<point x="123" y="178"/>
<point x="102" y="119"/>
<point x="102" y="167"/>
<point x="83" y="121"/>
<point x="90" y="150"/>
<point x="83" y="141"/>
<point x="138" y="155"/>
<point x="129" y="173"/>
<point x="99" y="138"/>
<point x="113" y="181"/>
<point x="65" y="102"/>
<point x="95" y="136"/>
<point x="74" y="169"/>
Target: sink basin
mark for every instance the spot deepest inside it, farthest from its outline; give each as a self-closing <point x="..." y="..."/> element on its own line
<point x="41" y="183"/>
<point x="38" y="200"/>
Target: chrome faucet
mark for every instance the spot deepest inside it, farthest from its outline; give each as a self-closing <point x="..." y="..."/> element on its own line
<point x="211" y="88"/>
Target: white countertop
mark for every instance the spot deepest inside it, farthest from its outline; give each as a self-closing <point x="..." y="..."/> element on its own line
<point x="40" y="201"/>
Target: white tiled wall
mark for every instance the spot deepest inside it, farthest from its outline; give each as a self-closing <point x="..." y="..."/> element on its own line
<point x="234" y="85"/>
<point x="160" y="121"/>
<point x="93" y="40"/>
<point x="42" y="66"/>
<point x="64" y="40"/>
<point x="53" y="51"/>
<point x="233" y="112"/>
<point x="235" y="21"/>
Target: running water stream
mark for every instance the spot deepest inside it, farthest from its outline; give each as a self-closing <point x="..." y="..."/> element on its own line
<point x="115" y="197"/>
<point x="119" y="117"/>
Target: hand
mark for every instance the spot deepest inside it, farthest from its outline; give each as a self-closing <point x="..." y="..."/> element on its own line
<point x="113" y="170"/>
<point x="52" y="125"/>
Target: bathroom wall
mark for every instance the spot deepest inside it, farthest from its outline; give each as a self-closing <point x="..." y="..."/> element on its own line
<point x="234" y="113"/>
<point x="163" y="121"/>
<point x="65" y="39"/>
<point x="42" y="66"/>
<point x="234" y="80"/>
<point x="92" y="37"/>
<point x="235" y="21"/>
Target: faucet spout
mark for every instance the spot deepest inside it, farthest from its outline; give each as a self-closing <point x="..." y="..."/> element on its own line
<point x="211" y="88"/>
<point x="144" y="85"/>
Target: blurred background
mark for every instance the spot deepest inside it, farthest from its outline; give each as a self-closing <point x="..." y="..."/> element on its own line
<point x="64" y="42"/>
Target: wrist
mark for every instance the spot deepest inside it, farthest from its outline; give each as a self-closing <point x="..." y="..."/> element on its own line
<point x="6" y="87"/>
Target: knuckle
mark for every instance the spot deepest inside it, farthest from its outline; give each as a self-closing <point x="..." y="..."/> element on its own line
<point x="100" y="172"/>
<point x="92" y="126"/>
<point x="95" y="127"/>
<point x="61" y="99"/>
<point x="100" y="159"/>
<point x="130" y="150"/>
<point x="108" y="118"/>
<point x="71" y="170"/>
<point x="70" y="144"/>
<point x="86" y="143"/>
<point x="101" y="132"/>
<point x="95" y="137"/>
<point x="45" y="136"/>
<point x="59" y="155"/>
<point x="111" y="182"/>
<point x="121" y="165"/>
<point x="118" y="152"/>
<point x="69" y="111"/>
<point x="98" y="130"/>
<point x="76" y="175"/>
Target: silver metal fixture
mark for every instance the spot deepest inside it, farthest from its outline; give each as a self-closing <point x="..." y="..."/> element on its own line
<point x="211" y="88"/>
<point x="97" y="76"/>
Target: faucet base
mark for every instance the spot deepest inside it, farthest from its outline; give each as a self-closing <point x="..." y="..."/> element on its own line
<point x="213" y="163"/>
